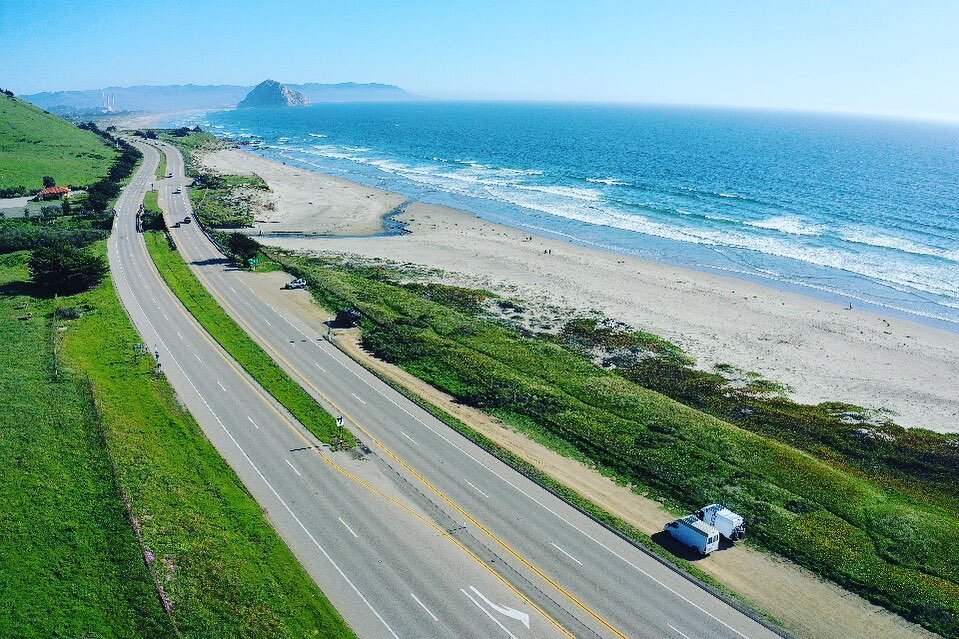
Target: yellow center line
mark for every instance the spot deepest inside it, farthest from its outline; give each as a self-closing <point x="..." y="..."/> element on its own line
<point x="390" y="452"/>
<point x="292" y="427"/>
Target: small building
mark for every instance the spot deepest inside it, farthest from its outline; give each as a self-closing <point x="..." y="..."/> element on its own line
<point x="53" y="193"/>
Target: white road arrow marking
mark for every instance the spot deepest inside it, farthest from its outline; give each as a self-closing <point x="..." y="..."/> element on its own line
<point x="520" y="616"/>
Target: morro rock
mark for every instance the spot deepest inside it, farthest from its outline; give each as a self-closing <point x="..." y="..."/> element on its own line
<point x="271" y="93"/>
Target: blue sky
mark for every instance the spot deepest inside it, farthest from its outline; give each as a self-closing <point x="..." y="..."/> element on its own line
<point x="865" y="57"/>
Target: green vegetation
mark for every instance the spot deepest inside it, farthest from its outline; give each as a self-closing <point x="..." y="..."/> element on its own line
<point x="70" y="563"/>
<point x="61" y="268"/>
<point x="152" y="217"/>
<point x="910" y="460"/>
<point x="99" y="458"/>
<point x="34" y="144"/>
<point x="234" y="339"/>
<point x="220" y="201"/>
<point x="161" y="167"/>
<point x="189" y="141"/>
<point x="241" y="247"/>
<point x="887" y="540"/>
<point x="223" y="201"/>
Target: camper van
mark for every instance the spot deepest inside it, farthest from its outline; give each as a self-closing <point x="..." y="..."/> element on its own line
<point x="729" y="524"/>
<point x="692" y="532"/>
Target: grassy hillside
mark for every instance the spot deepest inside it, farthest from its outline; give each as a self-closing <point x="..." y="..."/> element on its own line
<point x="895" y="546"/>
<point x="34" y="143"/>
<point x="70" y="564"/>
<point x="110" y="431"/>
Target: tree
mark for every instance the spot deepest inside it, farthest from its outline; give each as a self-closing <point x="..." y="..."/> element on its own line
<point x="48" y="182"/>
<point x="65" y="207"/>
<point x="242" y="247"/>
<point x="60" y="268"/>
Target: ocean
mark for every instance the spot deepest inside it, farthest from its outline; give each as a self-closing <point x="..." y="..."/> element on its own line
<point x="862" y="211"/>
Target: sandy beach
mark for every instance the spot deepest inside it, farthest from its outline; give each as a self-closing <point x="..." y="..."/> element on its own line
<point x="823" y="351"/>
<point x="307" y="202"/>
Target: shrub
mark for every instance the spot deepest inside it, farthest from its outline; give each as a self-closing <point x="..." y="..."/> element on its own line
<point x="66" y="269"/>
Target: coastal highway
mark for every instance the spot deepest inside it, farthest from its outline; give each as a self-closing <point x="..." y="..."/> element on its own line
<point x="612" y="588"/>
<point x="391" y="567"/>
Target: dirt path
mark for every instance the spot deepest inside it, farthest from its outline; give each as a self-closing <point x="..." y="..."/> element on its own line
<point x="801" y="601"/>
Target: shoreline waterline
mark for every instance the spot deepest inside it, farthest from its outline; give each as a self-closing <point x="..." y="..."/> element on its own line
<point x="831" y="246"/>
<point x="821" y="293"/>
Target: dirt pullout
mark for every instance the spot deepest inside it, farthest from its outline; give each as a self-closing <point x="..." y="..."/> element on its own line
<point x="797" y="598"/>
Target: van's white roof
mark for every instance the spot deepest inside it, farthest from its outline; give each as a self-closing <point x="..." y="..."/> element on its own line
<point x="694" y="522"/>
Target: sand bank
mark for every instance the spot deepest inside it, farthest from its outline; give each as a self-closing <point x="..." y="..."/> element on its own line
<point x="305" y="201"/>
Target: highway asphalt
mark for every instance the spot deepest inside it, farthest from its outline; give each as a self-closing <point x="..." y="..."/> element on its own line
<point x="580" y="574"/>
<point x="387" y="564"/>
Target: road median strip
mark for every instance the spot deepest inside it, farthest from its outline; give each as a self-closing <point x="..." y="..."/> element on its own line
<point x="217" y="322"/>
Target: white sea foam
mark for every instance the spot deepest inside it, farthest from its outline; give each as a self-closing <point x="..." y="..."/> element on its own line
<point x="790" y="224"/>
<point x="870" y="237"/>
<point x="607" y="181"/>
<point x="587" y="205"/>
<point x="590" y="195"/>
<point x="317" y="135"/>
<point x="927" y="278"/>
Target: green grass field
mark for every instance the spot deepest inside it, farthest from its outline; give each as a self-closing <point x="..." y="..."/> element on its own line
<point x="70" y="562"/>
<point x="34" y="143"/>
<point x="234" y="339"/>
<point x="896" y="547"/>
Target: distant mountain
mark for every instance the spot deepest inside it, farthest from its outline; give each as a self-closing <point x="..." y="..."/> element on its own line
<point x="353" y="92"/>
<point x="271" y="93"/>
<point x="184" y="97"/>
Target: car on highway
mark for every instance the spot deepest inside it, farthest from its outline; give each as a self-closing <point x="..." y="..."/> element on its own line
<point x="177" y="192"/>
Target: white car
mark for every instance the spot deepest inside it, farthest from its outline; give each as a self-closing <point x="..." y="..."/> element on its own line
<point x="297" y="283"/>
